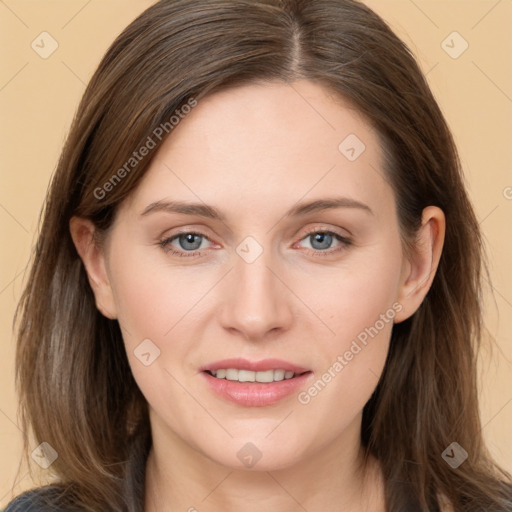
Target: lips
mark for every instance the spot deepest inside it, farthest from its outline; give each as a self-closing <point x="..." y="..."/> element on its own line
<point x="254" y="366"/>
<point x="248" y="383"/>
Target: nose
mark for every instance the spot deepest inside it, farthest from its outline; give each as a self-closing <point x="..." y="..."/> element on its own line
<point x="257" y="304"/>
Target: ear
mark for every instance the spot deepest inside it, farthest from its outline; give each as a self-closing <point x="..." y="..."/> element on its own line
<point x="420" y="266"/>
<point x="93" y="257"/>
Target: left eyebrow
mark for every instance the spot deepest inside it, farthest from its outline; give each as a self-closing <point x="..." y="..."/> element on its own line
<point x="328" y="204"/>
<point x="204" y="210"/>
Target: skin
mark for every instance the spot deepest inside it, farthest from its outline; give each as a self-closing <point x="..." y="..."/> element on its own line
<point x="253" y="152"/>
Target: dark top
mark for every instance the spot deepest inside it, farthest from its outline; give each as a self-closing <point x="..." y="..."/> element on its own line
<point x="38" y="500"/>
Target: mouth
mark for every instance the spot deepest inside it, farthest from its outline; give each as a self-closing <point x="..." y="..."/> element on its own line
<point x="255" y="384"/>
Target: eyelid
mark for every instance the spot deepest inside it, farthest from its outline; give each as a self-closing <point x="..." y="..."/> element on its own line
<point x="184" y="230"/>
<point x="326" y="229"/>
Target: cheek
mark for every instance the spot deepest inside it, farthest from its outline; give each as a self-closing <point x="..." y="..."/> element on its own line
<point x="152" y="297"/>
<point x="353" y="296"/>
<point x="359" y="300"/>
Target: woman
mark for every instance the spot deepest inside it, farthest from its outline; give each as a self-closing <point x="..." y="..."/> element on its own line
<point x="258" y="276"/>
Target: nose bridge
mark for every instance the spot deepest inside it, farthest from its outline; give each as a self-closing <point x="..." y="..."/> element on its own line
<point x="256" y="301"/>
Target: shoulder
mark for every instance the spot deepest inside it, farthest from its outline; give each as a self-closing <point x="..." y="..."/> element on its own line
<point x="37" y="500"/>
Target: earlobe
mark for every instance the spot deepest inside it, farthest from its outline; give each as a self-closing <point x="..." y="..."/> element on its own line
<point x="420" y="267"/>
<point x="93" y="257"/>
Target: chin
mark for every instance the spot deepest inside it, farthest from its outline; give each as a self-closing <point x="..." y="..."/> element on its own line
<point x="251" y="454"/>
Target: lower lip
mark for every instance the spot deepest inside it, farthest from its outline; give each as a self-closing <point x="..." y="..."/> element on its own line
<point x="256" y="394"/>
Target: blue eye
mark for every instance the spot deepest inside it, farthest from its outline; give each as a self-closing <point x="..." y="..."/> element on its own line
<point x="321" y="242"/>
<point x="324" y="240"/>
<point x="188" y="243"/>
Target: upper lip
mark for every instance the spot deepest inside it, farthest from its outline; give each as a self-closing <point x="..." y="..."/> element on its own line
<point x="255" y="366"/>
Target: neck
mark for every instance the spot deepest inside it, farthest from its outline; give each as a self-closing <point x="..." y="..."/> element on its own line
<point x="178" y="477"/>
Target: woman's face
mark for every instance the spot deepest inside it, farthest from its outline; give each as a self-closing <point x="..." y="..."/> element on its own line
<point x="214" y="257"/>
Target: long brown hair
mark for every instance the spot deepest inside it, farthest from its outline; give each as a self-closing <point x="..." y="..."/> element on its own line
<point x="76" y="388"/>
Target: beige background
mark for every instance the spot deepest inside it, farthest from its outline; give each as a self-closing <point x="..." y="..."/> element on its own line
<point x="38" y="98"/>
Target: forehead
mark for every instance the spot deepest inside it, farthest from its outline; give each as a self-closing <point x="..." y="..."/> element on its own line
<point x="267" y="143"/>
<point x="268" y="120"/>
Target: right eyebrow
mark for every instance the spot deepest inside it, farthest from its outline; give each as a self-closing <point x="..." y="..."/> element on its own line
<point x="200" y="209"/>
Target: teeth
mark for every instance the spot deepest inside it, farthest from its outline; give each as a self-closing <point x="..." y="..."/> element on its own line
<point x="249" y="376"/>
<point x="231" y="374"/>
<point x="280" y="374"/>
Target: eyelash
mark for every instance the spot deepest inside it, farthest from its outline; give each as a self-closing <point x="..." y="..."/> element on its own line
<point x="345" y="242"/>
